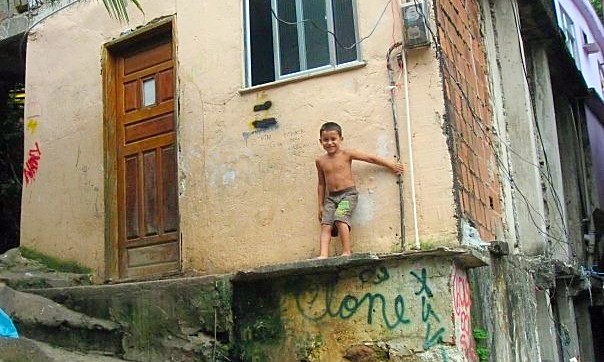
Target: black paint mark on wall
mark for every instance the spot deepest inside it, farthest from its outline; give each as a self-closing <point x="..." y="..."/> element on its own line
<point x="263" y="107"/>
<point x="265" y="124"/>
<point x="259" y="125"/>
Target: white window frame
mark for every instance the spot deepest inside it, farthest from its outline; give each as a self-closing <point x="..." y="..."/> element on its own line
<point x="568" y="28"/>
<point x="301" y="49"/>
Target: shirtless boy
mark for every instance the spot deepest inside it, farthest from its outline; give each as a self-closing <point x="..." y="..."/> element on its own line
<point x="336" y="189"/>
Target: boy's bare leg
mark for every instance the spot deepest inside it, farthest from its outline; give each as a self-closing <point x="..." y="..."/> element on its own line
<point x="324" y="239"/>
<point x="344" y="238"/>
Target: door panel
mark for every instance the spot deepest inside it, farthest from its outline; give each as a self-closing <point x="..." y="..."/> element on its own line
<point x="148" y="235"/>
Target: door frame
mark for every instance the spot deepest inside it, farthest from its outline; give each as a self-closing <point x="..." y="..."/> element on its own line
<point x="109" y="89"/>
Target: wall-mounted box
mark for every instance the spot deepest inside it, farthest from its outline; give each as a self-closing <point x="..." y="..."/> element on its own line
<point x="415" y="24"/>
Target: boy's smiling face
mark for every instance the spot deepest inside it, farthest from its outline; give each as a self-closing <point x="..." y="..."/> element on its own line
<point x="331" y="141"/>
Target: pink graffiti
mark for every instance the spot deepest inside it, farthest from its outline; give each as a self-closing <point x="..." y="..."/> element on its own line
<point x="30" y="169"/>
<point x="462" y="299"/>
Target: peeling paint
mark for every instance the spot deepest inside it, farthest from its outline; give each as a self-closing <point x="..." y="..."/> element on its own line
<point x="383" y="149"/>
<point x="365" y="211"/>
<point x="229" y="177"/>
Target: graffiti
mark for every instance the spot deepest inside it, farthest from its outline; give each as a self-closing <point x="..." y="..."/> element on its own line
<point x="318" y="302"/>
<point x="247" y="135"/>
<point x="423" y="279"/>
<point x="30" y="169"/>
<point x="376" y="277"/>
<point x="350" y="305"/>
<point x="294" y="133"/>
<point x="429" y="317"/>
<point x="296" y="143"/>
<point x="32" y="124"/>
<point x="462" y="301"/>
<point x="444" y="355"/>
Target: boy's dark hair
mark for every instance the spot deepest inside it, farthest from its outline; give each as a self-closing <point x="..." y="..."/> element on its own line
<point x="330" y="126"/>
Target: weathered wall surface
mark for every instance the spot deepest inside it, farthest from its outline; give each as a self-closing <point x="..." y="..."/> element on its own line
<point x="63" y="194"/>
<point x="596" y="137"/>
<point x="396" y="310"/>
<point x="247" y="196"/>
<point x="505" y="307"/>
<point x="470" y="116"/>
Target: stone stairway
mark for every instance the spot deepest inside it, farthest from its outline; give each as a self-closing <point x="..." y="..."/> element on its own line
<point x="60" y="317"/>
<point x="24" y="349"/>
<point x="44" y="320"/>
<point x="181" y="319"/>
<point x="48" y="330"/>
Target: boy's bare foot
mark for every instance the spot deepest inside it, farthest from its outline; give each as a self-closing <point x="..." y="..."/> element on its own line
<point x="321" y="257"/>
<point x="346" y="254"/>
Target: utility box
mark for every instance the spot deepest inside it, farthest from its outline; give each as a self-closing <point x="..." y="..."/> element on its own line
<point x="415" y="24"/>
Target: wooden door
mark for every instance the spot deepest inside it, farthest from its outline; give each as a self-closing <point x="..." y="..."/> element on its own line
<point x="147" y="173"/>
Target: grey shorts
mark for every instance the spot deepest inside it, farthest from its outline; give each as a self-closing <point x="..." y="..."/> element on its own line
<point x="339" y="205"/>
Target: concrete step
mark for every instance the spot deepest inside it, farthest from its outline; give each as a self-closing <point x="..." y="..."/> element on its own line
<point x="22" y="273"/>
<point x="180" y="319"/>
<point x="23" y="349"/>
<point x="44" y="320"/>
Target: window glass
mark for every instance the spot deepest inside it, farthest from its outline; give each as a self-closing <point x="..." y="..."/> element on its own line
<point x="315" y="34"/>
<point x="294" y="36"/>
<point x="345" y="31"/>
<point x="260" y="50"/>
<point x="289" y="52"/>
<point x="568" y="28"/>
<point x="148" y="92"/>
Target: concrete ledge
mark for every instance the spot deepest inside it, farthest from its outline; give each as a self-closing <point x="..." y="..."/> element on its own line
<point x="468" y="258"/>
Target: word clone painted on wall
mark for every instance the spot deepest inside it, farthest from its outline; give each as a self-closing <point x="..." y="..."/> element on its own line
<point x="316" y="304"/>
<point x="382" y="305"/>
<point x="30" y="169"/>
<point x="430" y="318"/>
<point x="462" y="301"/>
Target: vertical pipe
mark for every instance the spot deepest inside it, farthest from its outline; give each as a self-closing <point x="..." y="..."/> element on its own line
<point x="417" y="245"/>
<point x="392" y="86"/>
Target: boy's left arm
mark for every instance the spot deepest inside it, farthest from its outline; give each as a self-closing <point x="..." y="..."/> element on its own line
<point x="396" y="167"/>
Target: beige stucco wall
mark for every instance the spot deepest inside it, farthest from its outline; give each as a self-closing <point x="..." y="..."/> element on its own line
<point x="244" y="200"/>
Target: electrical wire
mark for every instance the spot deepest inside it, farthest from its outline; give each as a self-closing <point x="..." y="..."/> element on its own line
<point x="396" y="140"/>
<point x="479" y="122"/>
<point x="548" y="176"/>
<point x="331" y="32"/>
<point x="392" y="7"/>
<point x="38" y="21"/>
<point x="550" y="314"/>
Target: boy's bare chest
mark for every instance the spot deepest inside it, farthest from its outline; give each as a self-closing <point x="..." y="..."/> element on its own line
<point x="339" y="165"/>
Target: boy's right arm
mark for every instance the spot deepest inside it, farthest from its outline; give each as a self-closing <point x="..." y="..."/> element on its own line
<point x="320" y="188"/>
<point x="396" y="167"/>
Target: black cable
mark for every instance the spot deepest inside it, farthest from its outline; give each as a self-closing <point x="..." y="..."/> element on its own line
<point x="549" y="176"/>
<point x="487" y="134"/>
<point x="331" y="32"/>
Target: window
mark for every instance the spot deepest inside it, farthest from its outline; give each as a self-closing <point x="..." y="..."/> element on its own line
<point x="568" y="28"/>
<point x="148" y="92"/>
<point x="290" y="37"/>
